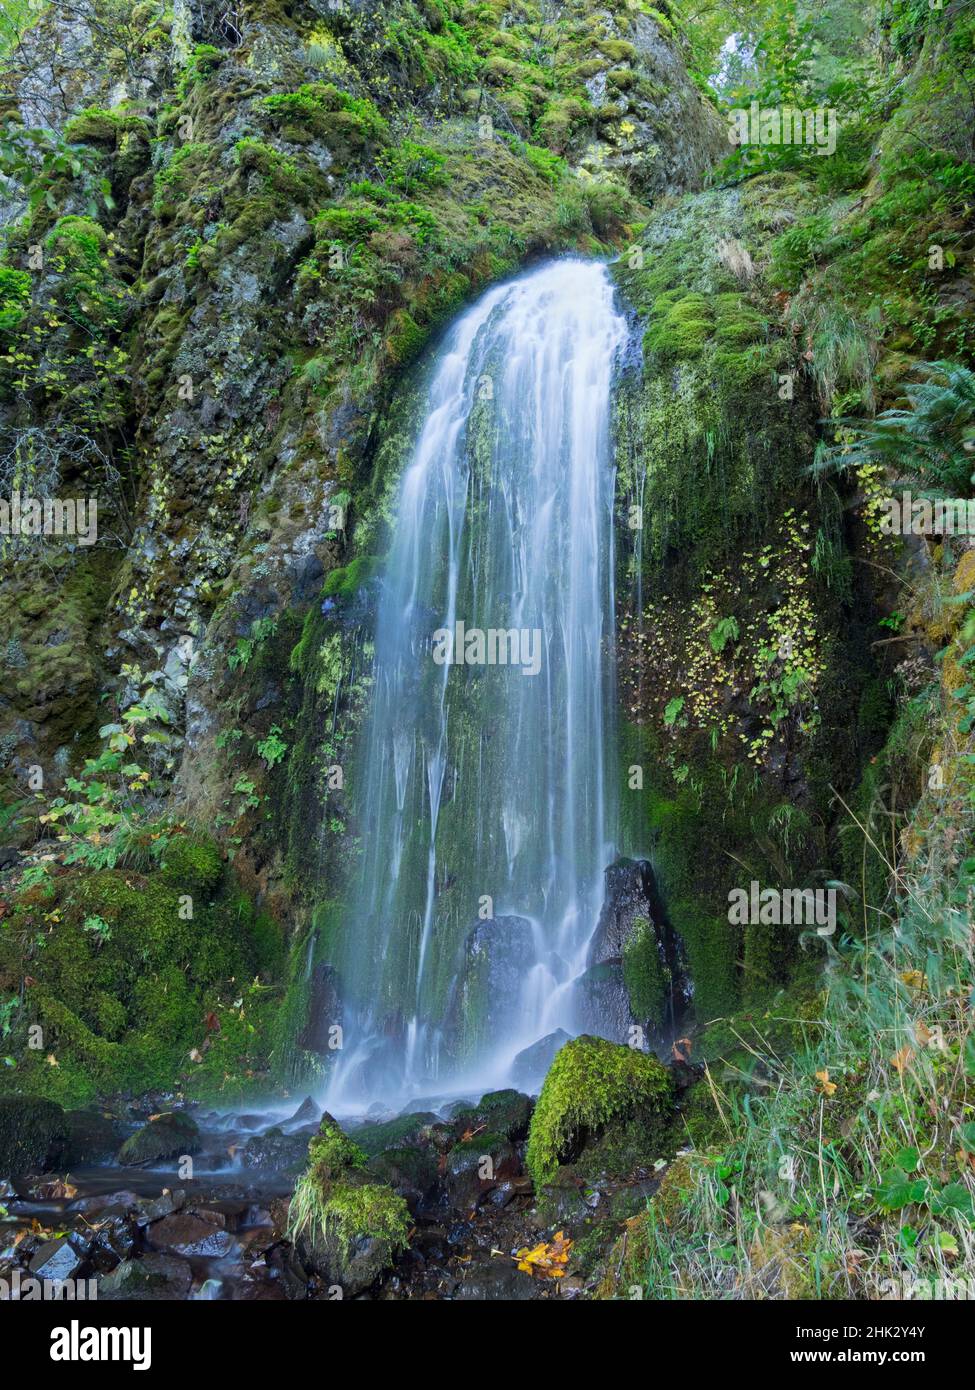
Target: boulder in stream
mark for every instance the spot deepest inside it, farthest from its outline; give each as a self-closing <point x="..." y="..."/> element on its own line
<point x="167" y="1136"/>
<point x="531" y="1064"/>
<point x="33" y="1135"/>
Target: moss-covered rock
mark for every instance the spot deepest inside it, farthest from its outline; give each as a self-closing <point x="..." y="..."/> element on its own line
<point x="601" y="1095"/>
<point x="166" y="1136"/>
<point x="348" y="1227"/>
<point x="34" y="1135"/>
<point x="405" y="1130"/>
<point x="502" y="1112"/>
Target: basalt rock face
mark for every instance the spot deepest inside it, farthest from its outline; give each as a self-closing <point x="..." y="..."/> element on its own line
<point x="636" y="974"/>
<point x="631" y="896"/>
<point x="214" y="323"/>
<point x="220" y="459"/>
<point x="669" y="134"/>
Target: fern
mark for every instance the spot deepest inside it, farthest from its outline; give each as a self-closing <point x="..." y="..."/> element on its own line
<point x="930" y="442"/>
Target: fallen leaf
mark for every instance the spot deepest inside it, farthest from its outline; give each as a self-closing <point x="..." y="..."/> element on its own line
<point x="826" y="1087"/>
<point x="546" y="1260"/>
<point x="54" y="1191"/>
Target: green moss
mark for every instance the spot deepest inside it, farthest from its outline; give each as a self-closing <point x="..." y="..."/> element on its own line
<point x="123" y="1008"/>
<point x="591" y="1084"/>
<point x="166" y="1136"/>
<point x="373" y="1139"/>
<point x="644" y="974"/>
<point x="562" y="121"/>
<point x="174" y="181"/>
<point x="335" y="1208"/>
<point x="331" y="1152"/>
<point x="352" y="126"/>
<point x="344" y="583"/>
<point x="203" y="62"/>
<point x="33" y="1135"/>
<point x="680" y="326"/>
<point x="192" y="863"/>
<point x="372" y="1211"/>
<point x="15" y="290"/>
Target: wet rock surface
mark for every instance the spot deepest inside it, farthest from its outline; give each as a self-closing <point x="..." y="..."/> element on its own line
<point x="149" y="1233"/>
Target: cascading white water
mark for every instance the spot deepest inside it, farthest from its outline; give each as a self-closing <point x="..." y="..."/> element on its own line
<point x="489" y="787"/>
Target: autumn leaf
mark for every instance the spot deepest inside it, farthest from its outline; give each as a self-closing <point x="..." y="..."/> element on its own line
<point x="915" y="979"/>
<point x="900" y="1059"/>
<point x="826" y="1087"/>
<point x="546" y="1260"/>
<point x="54" y="1191"/>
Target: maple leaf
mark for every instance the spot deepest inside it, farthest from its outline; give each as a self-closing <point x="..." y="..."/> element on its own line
<point x="547" y="1260"/>
<point x="826" y="1087"/>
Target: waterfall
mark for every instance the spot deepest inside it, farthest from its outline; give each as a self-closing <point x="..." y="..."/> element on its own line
<point x="485" y="782"/>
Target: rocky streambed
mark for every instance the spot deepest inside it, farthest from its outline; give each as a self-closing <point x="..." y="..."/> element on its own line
<point x="168" y="1202"/>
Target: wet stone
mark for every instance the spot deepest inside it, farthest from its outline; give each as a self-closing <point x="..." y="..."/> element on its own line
<point x="192" y="1235"/>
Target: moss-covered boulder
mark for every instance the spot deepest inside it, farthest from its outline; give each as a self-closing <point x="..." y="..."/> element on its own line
<point x="165" y="1137"/>
<point x="93" y="1137"/>
<point x="33" y="1135"/>
<point x="405" y="1131"/>
<point x="607" y="1103"/>
<point x="412" y="1173"/>
<point x="347" y="1226"/>
<point x="506" y="1113"/>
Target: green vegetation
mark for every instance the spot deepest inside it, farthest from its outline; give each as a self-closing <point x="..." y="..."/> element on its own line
<point x="176" y="981"/>
<point x="590" y="1084"/>
<point x="335" y="1207"/>
<point x="215" y="296"/>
